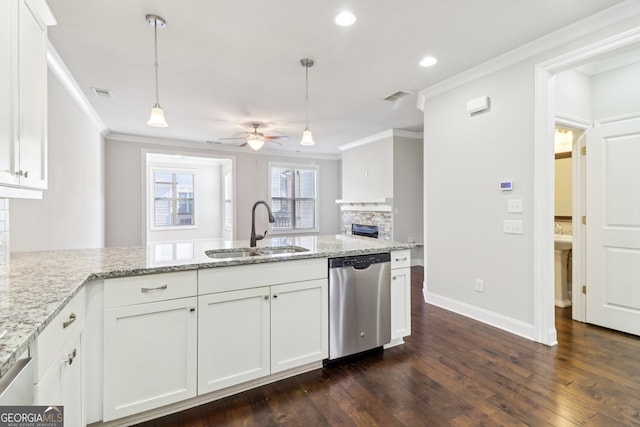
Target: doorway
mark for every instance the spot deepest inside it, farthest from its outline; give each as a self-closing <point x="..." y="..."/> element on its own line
<point x="544" y="171"/>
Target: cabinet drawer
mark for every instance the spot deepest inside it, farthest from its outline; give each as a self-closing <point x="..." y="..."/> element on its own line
<point x="149" y="288"/>
<point x="401" y="259"/>
<point x="234" y="278"/>
<point x="58" y="332"/>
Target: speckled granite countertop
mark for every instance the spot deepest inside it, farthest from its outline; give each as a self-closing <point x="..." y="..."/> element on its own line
<point x="40" y="284"/>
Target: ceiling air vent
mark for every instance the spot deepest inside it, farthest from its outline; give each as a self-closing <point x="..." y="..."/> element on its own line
<point x="396" y="96"/>
<point x="105" y="93"/>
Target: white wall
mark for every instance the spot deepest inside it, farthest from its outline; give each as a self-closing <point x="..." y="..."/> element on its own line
<point x="573" y="94"/>
<point x="407" y="190"/>
<point x="124" y="187"/>
<point x="616" y="92"/>
<point x="367" y="171"/>
<point x="465" y="158"/>
<point x="71" y="212"/>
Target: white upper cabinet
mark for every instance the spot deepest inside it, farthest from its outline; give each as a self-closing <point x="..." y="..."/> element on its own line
<point x="23" y="103"/>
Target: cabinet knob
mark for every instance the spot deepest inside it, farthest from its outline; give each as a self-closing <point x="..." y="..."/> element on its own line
<point x="66" y="323"/>
<point x="192" y="309"/>
<point x="266" y="297"/>
<point x="23" y="173"/>
<point x="275" y="295"/>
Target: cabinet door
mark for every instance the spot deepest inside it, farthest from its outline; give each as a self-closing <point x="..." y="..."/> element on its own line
<point x="299" y="324"/>
<point x="150" y="356"/>
<point x="8" y="96"/>
<point x="233" y="338"/>
<point x="62" y="384"/>
<point x="400" y="303"/>
<point x="32" y="112"/>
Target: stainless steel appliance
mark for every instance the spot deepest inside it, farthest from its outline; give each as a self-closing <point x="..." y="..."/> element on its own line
<point x="364" y="230"/>
<point x="359" y="303"/>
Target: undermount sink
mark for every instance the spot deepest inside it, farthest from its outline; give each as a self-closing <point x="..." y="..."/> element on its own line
<point x="281" y="250"/>
<point x="562" y="242"/>
<point x="231" y="253"/>
<point x="251" y="252"/>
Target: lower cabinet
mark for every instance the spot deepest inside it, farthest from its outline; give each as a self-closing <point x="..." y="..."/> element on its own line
<point x="251" y="333"/>
<point x="150" y="356"/>
<point x="62" y="385"/>
<point x="400" y="303"/>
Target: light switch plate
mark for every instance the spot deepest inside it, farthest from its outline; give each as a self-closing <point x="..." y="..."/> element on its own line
<point x="514" y="206"/>
<point x="510" y="226"/>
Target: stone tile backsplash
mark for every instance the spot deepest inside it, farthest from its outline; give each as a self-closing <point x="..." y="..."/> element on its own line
<point x="4" y="236"/>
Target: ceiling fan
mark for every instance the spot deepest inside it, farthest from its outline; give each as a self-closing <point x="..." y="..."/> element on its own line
<point x="257" y="139"/>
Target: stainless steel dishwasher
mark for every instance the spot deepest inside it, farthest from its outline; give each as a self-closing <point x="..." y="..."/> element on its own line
<point x="359" y="303"/>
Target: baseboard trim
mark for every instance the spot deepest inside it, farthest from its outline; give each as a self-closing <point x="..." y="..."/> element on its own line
<point x="508" y="324"/>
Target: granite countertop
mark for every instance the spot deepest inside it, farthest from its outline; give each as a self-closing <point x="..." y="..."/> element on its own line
<point x="40" y="284"/>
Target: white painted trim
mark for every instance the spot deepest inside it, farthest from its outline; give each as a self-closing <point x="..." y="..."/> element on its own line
<point x="204" y="147"/>
<point x="390" y="133"/>
<point x="509" y="324"/>
<point x="543" y="214"/>
<point x="544" y="123"/>
<point x="545" y="43"/>
<point x="60" y="70"/>
<point x="44" y="11"/>
<point x="572" y="122"/>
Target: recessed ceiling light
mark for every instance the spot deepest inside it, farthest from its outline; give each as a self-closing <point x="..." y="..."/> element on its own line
<point x="345" y="19"/>
<point x="428" y="61"/>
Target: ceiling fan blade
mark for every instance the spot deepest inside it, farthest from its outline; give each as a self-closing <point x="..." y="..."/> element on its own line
<point x="229" y="139"/>
<point x="244" y="145"/>
<point x="275" y="142"/>
<point x="272" y="137"/>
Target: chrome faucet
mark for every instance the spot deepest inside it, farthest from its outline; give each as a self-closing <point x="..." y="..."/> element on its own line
<point x="254" y="237"/>
<point x="558" y="228"/>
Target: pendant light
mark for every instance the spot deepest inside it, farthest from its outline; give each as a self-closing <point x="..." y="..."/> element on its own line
<point x="157" y="113"/>
<point x="307" y="138"/>
<point x="255" y="141"/>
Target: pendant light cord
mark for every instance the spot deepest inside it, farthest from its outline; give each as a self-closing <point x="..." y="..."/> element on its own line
<point x="155" y="40"/>
<point x="306" y="69"/>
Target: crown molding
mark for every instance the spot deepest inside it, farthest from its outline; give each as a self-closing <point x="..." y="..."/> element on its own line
<point x="390" y="133"/>
<point x="215" y="148"/>
<point x="582" y="28"/>
<point x="62" y="73"/>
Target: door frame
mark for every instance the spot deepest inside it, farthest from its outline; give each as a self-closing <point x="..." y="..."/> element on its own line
<point x="543" y="191"/>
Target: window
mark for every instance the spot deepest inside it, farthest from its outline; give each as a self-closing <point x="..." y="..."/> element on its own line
<point x="173" y="192"/>
<point x="293" y="197"/>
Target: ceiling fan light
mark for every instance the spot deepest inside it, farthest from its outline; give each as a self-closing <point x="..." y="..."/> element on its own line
<point x="255" y="143"/>
<point x="157" y="117"/>
<point x="307" y="138"/>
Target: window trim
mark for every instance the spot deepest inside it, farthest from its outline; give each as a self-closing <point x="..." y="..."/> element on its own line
<point x="305" y="166"/>
<point x="152" y="197"/>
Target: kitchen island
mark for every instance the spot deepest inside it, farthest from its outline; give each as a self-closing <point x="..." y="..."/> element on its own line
<point x="41" y="284"/>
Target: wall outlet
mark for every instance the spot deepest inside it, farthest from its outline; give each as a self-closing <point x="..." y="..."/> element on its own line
<point x="512" y="226"/>
<point x="479" y="285"/>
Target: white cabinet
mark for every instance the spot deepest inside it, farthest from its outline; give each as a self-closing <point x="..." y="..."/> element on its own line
<point x="233" y="338"/>
<point x="400" y="295"/>
<point x="253" y="332"/>
<point x="23" y="104"/>
<point x="150" y="348"/>
<point x="62" y="384"/>
<point x="299" y="324"/>
<point x="58" y="354"/>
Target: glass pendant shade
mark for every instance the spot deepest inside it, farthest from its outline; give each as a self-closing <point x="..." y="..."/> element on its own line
<point x="255" y="143"/>
<point x="157" y="117"/>
<point x="307" y="138"/>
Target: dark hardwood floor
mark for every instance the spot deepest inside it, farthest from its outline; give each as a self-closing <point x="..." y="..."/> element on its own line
<point x="452" y="371"/>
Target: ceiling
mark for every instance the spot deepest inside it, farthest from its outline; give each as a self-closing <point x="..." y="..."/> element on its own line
<point x="224" y="65"/>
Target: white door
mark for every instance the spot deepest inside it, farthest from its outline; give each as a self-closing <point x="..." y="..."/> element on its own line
<point x="233" y="338"/>
<point x="299" y="324"/>
<point x="613" y="225"/>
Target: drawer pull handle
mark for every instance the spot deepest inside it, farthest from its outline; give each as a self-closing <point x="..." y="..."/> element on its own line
<point x="72" y="318"/>
<point x="401" y="259"/>
<point x="159" y="288"/>
<point x="192" y="309"/>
